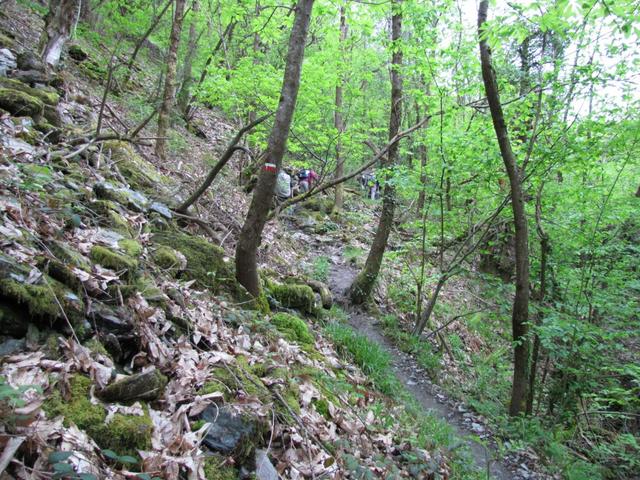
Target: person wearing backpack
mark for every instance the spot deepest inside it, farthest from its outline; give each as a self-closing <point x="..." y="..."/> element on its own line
<point x="283" y="186"/>
<point x="306" y="179"/>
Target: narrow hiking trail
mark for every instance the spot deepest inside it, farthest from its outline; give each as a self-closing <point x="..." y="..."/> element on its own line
<point x="414" y="378"/>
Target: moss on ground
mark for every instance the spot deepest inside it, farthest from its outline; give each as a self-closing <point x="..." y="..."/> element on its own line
<point x="113" y="260"/>
<point x="215" y="469"/>
<point x="131" y="247"/>
<point x="166" y="258"/>
<point x="125" y="434"/>
<point x="230" y="379"/>
<point x="293" y="328"/>
<point x="300" y="297"/>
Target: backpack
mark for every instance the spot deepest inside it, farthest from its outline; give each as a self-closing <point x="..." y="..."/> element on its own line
<point x="303" y="174"/>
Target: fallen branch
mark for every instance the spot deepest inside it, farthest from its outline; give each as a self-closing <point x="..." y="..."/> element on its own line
<point x="226" y="156"/>
<point x="457" y="317"/>
<point x="336" y="181"/>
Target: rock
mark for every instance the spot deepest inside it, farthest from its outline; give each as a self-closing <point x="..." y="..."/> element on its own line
<point x="141" y="386"/>
<point x="113" y="260"/>
<point x="77" y="53"/>
<point x="53" y="116"/>
<point x="30" y="61"/>
<point x="162" y="209"/>
<point x="232" y="434"/>
<point x="300" y="297"/>
<point x="264" y="468"/>
<point x="7" y="61"/>
<point x="20" y="104"/>
<point x="34" y="77"/>
<point x="323" y="290"/>
<point x="112" y="320"/>
<point x="293" y="328"/>
<point x="6" y="42"/>
<point x="122" y="195"/>
<point x="46" y="95"/>
<point x="11" y="346"/>
<point x="477" y="428"/>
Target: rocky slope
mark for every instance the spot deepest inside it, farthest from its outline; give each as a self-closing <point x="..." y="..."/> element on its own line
<point x="127" y="348"/>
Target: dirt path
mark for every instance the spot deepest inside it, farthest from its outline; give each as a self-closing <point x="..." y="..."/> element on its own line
<point x="412" y="375"/>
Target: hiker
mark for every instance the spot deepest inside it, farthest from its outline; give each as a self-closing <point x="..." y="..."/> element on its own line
<point x="283" y="186"/>
<point x="370" y="183"/>
<point x="306" y="179"/>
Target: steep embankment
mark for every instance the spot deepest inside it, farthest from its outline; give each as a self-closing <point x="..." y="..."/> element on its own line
<point x="127" y="348"/>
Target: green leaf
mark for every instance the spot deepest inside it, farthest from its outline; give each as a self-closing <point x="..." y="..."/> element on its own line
<point x="127" y="459"/>
<point x="55" y="457"/>
<point x="110" y="454"/>
<point x="63" y="468"/>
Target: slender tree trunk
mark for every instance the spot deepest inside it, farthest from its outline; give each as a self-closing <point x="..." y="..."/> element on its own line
<point x="339" y="121"/>
<point x="363" y="284"/>
<point x="425" y="318"/>
<point x="520" y="313"/>
<point x="169" y="82"/>
<point x="138" y="47"/>
<point x="424" y="157"/>
<point x="545" y="250"/>
<point x="187" y="73"/>
<point x="57" y="28"/>
<point x="250" y="236"/>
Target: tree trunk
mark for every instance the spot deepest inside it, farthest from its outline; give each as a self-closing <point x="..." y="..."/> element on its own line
<point x="250" y="236"/>
<point x="424" y="157"/>
<point x="521" y="300"/>
<point x="362" y="286"/>
<point x="425" y="317"/>
<point x="545" y="250"/>
<point x="57" y="28"/>
<point x="136" y="50"/>
<point x="169" y="82"/>
<point x="339" y="121"/>
<point x="187" y="74"/>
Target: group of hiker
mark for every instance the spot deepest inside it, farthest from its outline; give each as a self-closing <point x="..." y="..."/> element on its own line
<point x="291" y="183"/>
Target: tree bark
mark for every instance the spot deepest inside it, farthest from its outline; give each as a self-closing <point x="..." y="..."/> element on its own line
<point x="169" y="82"/>
<point x="338" y="120"/>
<point x="250" y="236"/>
<point x="363" y="284"/>
<point x="187" y="73"/>
<point x="520" y="312"/>
<point x="58" y="23"/>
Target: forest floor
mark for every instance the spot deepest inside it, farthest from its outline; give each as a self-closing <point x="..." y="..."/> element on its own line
<point x="481" y="445"/>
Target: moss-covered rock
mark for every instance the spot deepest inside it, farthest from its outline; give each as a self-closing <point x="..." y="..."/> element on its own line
<point x="124" y="196"/>
<point x="20" y="104"/>
<point x="78" y="53"/>
<point x="60" y="271"/>
<point x="169" y="259"/>
<point x="318" y="203"/>
<point x="93" y="70"/>
<point x="206" y="263"/>
<point x="67" y="255"/>
<point x="47" y="96"/>
<point x="6" y="41"/>
<point x="141" y="386"/>
<point x="139" y="173"/>
<point x="293" y="328"/>
<point x="300" y="297"/>
<point x="44" y="299"/>
<point x="125" y="434"/>
<point x="113" y="260"/>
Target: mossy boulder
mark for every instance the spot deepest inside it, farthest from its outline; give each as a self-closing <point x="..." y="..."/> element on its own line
<point x="293" y="328"/>
<point x="300" y="297"/>
<point x="139" y="173"/>
<point x="125" y="434"/>
<point x="206" y="263"/>
<point x="141" y="386"/>
<point x="78" y="53"/>
<point x="318" y="203"/>
<point x="60" y="271"/>
<point x="20" y="104"/>
<point x="169" y="259"/>
<point x="44" y="298"/>
<point x="122" y="195"/>
<point x="67" y="255"/>
<point x="93" y="70"/>
<point x="46" y="95"/>
<point x="114" y="260"/>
